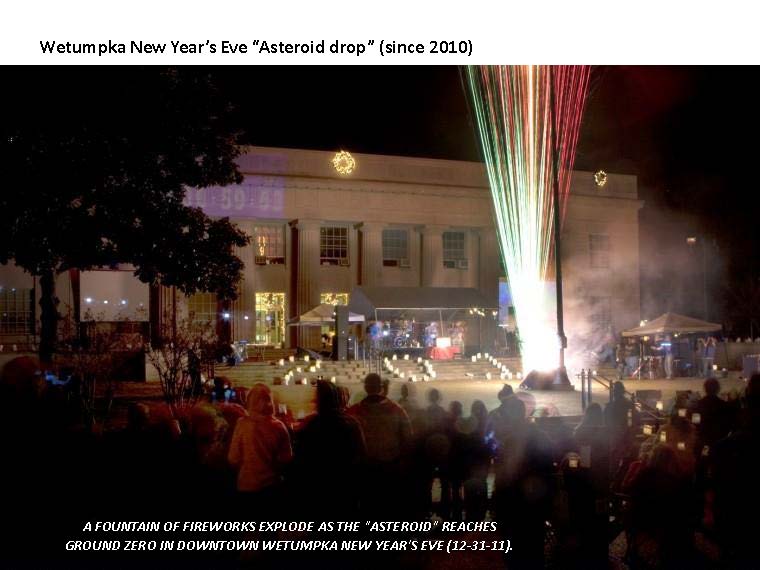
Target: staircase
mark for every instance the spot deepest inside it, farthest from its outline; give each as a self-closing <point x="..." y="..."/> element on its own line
<point x="296" y="372"/>
<point x="421" y="370"/>
<point x="267" y="353"/>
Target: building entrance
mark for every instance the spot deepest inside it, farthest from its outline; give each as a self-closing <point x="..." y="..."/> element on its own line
<point x="270" y="319"/>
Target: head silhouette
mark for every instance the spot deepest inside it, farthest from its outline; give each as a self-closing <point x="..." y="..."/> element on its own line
<point x="505" y="392"/>
<point x="712" y="387"/>
<point x="259" y="401"/>
<point x="373" y="384"/>
<point x="593" y="415"/>
<point x="328" y="398"/>
<point x="515" y="410"/>
<point x="478" y="409"/>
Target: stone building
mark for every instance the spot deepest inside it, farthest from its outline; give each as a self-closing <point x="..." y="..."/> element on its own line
<point x="391" y="221"/>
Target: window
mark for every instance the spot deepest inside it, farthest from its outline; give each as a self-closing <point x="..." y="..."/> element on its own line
<point x="599" y="250"/>
<point x="396" y="248"/>
<point x="333" y="246"/>
<point x="601" y="314"/>
<point x="454" y="254"/>
<point x="16" y="311"/>
<point x="270" y="319"/>
<point x="333" y="298"/>
<point x="202" y="307"/>
<point x="269" y="245"/>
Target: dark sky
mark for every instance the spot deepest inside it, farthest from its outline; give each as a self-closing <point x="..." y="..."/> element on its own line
<point x="681" y="129"/>
<point x="408" y="111"/>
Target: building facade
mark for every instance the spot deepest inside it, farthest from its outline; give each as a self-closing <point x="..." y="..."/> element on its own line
<point x="318" y="231"/>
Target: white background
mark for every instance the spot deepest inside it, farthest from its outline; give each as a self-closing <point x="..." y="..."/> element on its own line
<point x="529" y="31"/>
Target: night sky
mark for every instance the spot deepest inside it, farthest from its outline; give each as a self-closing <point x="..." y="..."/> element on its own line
<point x="683" y="131"/>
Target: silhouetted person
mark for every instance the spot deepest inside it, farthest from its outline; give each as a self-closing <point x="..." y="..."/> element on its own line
<point x="408" y="401"/>
<point x="587" y="481"/>
<point x="476" y="458"/>
<point x="260" y="450"/>
<point x="329" y="455"/>
<point x="418" y="492"/>
<point x="621" y="420"/>
<point x="736" y="464"/>
<point x="452" y="478"/>
<point x="709" y="356"/>
<point x="714" y="416"/>
<point x="436" y="447"/>
<point x="524" y="485"/>
<point x="194" y="372"/>
<point x="388" y="438"/>
<point x="498" y="419"/>
<point x="592" y="444"/>
<point x="661" y="511"/>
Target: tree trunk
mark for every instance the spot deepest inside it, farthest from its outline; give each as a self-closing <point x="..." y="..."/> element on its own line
<point x="48" y="316"/>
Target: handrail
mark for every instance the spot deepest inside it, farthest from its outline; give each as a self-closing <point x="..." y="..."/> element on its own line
<point x="642" y="406"/>
<point x="587" y="375"/>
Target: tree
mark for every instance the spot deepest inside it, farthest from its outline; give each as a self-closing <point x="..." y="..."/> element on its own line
<point x="95" y="172"/>
<point x="184" y="346"/>
<point x="92" y="360"/>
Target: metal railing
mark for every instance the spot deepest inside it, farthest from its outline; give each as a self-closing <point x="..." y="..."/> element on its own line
<point x="588" y="377"/>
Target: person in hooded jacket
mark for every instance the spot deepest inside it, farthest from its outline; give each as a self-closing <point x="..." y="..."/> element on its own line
<point x="260" y="450"/>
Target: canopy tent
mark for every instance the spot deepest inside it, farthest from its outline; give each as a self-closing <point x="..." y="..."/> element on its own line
<point x="320" y="315"/>
<point x="368" y="301"/>
<point x="672" y="323"/>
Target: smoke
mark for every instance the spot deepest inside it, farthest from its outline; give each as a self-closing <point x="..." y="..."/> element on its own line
<point x="674" y="275"/>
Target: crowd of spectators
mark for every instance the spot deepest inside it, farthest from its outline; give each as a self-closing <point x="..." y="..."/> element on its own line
<point x="664" y="482"/>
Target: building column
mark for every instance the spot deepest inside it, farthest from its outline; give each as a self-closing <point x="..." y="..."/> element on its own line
<point x="372" y="253"/>
<point x="489" y="264"/>
<point x="305" y="265"/>
<point x="431" y="263"/>
<point x="472" y="247"/>
<point x="245" y="305"/>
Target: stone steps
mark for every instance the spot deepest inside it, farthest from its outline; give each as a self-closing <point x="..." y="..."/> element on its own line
<point x="480" y="369"/>
<point x="249" y="373"/>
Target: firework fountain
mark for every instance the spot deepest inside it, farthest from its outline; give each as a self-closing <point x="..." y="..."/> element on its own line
<point x="528" y="118"/>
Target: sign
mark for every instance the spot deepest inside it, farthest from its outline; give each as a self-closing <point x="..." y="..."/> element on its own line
<point x="257" y="197"/>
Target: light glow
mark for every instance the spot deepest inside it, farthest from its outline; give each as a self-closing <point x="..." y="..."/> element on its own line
<point x="528" y="118"/>
<point x="343" y="162"/>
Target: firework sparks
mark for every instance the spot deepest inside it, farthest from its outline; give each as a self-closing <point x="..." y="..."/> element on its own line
<point x="528" y="118"/>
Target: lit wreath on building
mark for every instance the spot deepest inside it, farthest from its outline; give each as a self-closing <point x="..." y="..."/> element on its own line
<point x="600" y="178"/>
<point x="343" y="162"/>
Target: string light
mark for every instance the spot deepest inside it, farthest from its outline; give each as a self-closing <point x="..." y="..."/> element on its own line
<point x="343" y="162"/>
<point x="528" y="119"/>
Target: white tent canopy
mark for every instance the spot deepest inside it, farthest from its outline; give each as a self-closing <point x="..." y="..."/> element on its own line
<point x="320" y="315"/>
<point x="672" y="323"/>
